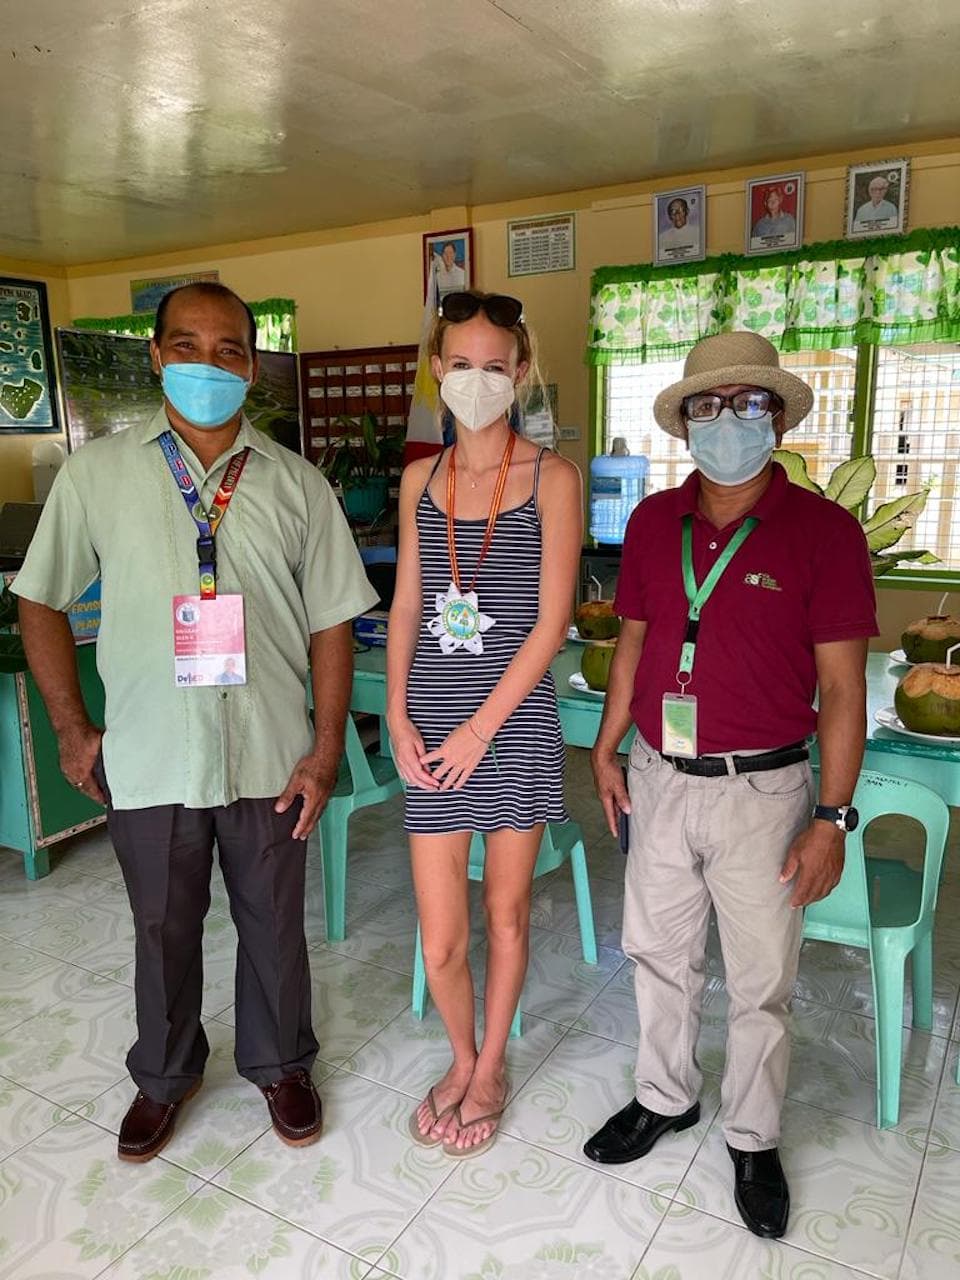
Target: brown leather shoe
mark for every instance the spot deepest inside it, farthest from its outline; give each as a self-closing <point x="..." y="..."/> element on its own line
<point x="148" y="1126"/>
<point x="294" y="1109"/>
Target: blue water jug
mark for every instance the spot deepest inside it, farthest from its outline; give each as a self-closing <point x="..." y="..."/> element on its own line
<point x="617" y="483"/>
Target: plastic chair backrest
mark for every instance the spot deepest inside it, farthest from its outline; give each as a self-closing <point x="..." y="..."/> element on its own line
<point x="361" y="774"/>
<point x="844" y="914"/>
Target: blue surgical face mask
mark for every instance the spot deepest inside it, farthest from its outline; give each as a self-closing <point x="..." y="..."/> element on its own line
<point x="730" y="450"/>
<point x="204" y="394"/>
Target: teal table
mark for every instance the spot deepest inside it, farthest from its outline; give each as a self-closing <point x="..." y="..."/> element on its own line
<point x="937" y="765"/>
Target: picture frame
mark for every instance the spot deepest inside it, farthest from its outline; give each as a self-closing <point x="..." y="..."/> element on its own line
<point x="877" y="197"/>
<point x="679" y="225"/>
<point x="448" y="261"/>
<point x="28" y="371"/>
<point x="774" y="213"/>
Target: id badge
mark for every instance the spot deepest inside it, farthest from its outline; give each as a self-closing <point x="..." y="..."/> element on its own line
<point x="679" y="725"/>
<point x="208" y="641"/>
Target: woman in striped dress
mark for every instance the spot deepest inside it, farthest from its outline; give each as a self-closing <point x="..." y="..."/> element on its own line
<point x="490" y="537"/>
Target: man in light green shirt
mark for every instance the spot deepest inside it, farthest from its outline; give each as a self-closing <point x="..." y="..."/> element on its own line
<point x="184" y="767"/>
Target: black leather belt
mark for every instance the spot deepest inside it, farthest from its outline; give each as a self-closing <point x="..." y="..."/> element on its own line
<point x="716" y="766"/>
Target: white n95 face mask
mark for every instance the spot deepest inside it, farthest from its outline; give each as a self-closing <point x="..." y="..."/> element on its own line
<point x="477" y="397"/>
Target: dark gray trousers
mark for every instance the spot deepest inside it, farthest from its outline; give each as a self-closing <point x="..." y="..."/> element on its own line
<point x="166" y="855"/>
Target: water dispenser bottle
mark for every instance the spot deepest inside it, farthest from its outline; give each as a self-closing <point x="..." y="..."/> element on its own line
<point x="617" y="483"/>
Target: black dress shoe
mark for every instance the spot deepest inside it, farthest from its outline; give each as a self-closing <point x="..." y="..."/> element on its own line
<point x="761" y="1191"/>
<point x="633" y="1131"/>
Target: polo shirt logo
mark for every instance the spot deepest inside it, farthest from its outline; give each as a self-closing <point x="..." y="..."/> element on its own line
<point x="764" y="580"/>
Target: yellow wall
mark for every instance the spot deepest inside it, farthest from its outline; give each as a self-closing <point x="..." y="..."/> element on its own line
<point x="16" y="479"/>
<point x="361" y="286"/>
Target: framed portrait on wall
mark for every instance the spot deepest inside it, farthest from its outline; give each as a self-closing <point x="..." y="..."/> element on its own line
<point x="877" y="198"/>
<point x="28" y="382"/>
<point x="448" y="259"/>
<point x="774" y="213"/>
<point x="679" y="226"/>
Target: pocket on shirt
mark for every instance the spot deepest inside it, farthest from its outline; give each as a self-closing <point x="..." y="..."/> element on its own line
<point x="780" y="784"/>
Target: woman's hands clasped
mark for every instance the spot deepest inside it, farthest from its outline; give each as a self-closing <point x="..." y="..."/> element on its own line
<point x="445" y="769"/>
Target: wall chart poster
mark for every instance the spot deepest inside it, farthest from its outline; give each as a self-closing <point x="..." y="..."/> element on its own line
<point x="109" y="384"/>
<point x="28" y="398"/>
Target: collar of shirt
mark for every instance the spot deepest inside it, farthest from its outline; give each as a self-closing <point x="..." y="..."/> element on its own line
<point x="247" y="437"/>
<point x="688" y="496"/>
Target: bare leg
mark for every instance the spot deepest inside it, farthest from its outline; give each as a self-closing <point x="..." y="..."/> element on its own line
<point x="508" y="875"/>
<point x="439" y="865"/>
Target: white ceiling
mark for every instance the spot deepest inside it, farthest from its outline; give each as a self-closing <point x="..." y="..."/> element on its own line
<point x="130" y="127"/>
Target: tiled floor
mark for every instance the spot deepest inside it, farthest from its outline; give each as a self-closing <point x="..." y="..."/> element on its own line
<point x="227" y="1201"/>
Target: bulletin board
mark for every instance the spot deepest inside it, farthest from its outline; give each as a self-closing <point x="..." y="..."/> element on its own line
<point x="337" y="384"/>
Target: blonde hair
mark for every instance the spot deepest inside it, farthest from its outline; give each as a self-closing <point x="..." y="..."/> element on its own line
<point x="531" y="385"/>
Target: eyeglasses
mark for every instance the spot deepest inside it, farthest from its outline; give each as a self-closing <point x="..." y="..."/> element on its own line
<point x="497" y="307"/>
<point x="745" y="404"/>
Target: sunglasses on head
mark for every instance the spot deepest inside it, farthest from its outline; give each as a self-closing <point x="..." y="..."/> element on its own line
<point x="497" y="307"/>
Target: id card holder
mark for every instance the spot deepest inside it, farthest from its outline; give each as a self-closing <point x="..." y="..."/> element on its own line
<point x="679" y="725"/>
<point x="208" y="641"/>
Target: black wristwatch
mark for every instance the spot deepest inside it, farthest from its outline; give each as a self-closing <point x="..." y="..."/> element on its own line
<point x="844" y="816"/>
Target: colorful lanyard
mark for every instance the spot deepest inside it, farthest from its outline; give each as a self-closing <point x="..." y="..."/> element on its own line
<point x="491" y="519"/>
<point x="697" y="597"/>
<point x="207" y="522"/>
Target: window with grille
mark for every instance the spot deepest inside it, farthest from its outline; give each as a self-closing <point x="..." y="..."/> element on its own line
<point x="913" y="431"/>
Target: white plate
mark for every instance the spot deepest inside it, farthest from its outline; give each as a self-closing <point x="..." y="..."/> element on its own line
<point x="900" y="658"/>
<point x="888" y="718"/>
<point x="577" y="682"/>
<point x="574" y="635"/>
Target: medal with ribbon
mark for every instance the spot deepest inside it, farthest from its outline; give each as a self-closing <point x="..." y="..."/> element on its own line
<point x="459" y="622"/>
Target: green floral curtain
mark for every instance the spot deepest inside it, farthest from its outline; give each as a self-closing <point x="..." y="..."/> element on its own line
<point x="889" y="290"/>
<point x="276" y="324"/>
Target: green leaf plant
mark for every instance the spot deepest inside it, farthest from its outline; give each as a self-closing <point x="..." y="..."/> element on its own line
<point x="849" y="485"/>
<point x="360" y="454"/>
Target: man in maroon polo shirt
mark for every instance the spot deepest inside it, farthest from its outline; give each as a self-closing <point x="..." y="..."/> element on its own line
<point x="741" y="595"/>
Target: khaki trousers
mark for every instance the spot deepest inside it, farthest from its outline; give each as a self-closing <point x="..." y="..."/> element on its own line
<point x="723" y="840"/>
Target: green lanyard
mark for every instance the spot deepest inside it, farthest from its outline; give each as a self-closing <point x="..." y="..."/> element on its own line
<point x="697" y="597"/>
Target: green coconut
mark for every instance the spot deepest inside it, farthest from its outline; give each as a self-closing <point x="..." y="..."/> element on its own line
<point x="928" y="639"/>
<point x="596" y="620"/>
<point x="928" y="699"/>
<point x="595" y="663"/>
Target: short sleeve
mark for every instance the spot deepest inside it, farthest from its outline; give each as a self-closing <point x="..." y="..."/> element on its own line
<point x="61" y="561"/>
<point x="843" y="599"/>
<point x="331" y="578"/>
<point x="629" y="598"/>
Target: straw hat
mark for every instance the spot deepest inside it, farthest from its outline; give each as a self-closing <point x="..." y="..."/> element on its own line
<point x="727" y="359"/>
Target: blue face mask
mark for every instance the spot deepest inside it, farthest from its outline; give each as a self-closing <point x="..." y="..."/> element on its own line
<point x="730" y="450"/>
<point x="204" y="394"/>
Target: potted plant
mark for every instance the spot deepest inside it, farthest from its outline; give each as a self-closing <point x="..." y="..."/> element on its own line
<point x="360" y="462"/>
<point x="12" y="656"/>
<point x="849" y="484"/>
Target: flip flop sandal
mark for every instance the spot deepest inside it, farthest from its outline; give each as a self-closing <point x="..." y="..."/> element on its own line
<point x="478" y="1148"/>
<point x="427" y="1139"/>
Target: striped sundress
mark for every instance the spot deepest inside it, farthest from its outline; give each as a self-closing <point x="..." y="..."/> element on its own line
<point x="520" y="783"/>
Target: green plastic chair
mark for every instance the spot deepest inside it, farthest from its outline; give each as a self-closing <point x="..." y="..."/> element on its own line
<point x="883" y="906"/>
<point x="561" y="840"/>
<point x="365" y="778"/>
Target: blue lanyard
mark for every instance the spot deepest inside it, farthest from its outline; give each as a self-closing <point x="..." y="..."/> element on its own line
<point x="207" y="522"/>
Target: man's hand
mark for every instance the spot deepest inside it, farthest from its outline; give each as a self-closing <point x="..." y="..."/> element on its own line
<point x="79" y="749"/>
<point x="313" y="779"/>
<point x="814" y="862"/>
<point x="611" y="790"/>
